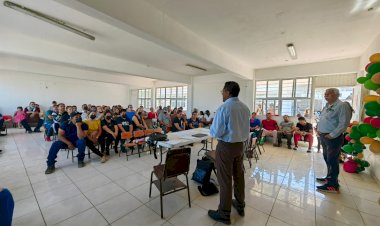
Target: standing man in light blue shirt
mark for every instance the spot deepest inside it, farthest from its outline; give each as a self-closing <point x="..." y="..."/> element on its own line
<point x="231" y="128"/>
<point x="334" y="119"/>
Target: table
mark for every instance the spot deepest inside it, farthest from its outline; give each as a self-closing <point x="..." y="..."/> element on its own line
<point x="182" y="138"/>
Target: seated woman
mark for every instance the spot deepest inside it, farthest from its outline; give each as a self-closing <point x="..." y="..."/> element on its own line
<point x="138" y="121"/>
<point x="194" y="121"/>
<point x="109" y="133"/>
<point x="93" y="134"/>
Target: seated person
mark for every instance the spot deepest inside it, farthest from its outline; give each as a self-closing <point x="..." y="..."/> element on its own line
<point x="303" y="130"/>
<point x="59" y="118"/>
<point x="124" y="125"/>
<point x="6" y="207"/>
<point x="109" y="133"/>
<point x="32" y="111"/>
<point x="49" y="131"/>
<point x="208" y="118"/>
<point x="130" y="112"/>
<point x="194" y="121"/>
<point x="1" y="121"/>
<point x="19" y="116"/>
<point x="93" y="133"/>
<point x="138" y="121"/>
<point x="270" y="128"/>
<point x="286" y="130"/>
<point x="153" y="116"/>
<point x="254" y="125"/>
<point x="70" y="136"/>
<point x="178" y="122"/>
<point x="165" y="120"/>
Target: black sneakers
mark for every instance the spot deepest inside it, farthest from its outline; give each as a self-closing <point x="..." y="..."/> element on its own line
<point x="50" y="169"/>
<point x="239" y="209"/>
<point x="215" y="215"/>
<point x="321" y="180"/>
<point x="81" y="164"/>
<point x="328" y="188"/>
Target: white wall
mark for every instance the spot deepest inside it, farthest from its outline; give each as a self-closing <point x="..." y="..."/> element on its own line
<point x="206" y="91"/>
<point x="19" y="88"/>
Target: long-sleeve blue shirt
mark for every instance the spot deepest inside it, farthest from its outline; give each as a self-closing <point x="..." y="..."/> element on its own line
<point x="335" y="118"/>
<point x="231" y="121"/>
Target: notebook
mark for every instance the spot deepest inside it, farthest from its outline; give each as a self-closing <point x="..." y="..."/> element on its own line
<point x="199" y="135"/>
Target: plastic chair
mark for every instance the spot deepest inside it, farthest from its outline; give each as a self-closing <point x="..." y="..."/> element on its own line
<point x="127" y="136"/>
<point x="177" y="163"/>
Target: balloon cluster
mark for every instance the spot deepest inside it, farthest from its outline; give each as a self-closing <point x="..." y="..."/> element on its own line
<point x="368" y="131"/>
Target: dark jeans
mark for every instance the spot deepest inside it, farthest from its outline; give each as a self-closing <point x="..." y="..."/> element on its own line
<point x="105" y="141"/>
<point x="92" y="147"/>
<point x="49" y="130"/>
<point x="57" y="145"/>
<point x="288" y="137"/>
<point x="331" y="154"/>
<point x="6" y="207"/>
<point x="25" y="124"/>
<point x="229" y="165"/>
<point x="1" y="123"/>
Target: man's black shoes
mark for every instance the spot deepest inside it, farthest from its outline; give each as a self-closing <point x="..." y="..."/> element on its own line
<point x="50" y="169"/>
<point x="238" y="209"/>
<point x="215" y="215"/>
<point x="81" y="164"/>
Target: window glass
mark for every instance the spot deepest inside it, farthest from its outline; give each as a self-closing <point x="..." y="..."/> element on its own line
<point x="273" y="88"/>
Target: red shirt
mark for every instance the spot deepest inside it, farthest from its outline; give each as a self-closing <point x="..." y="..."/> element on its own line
<point x="270" y="124"/>
<point x="152" y="115"/>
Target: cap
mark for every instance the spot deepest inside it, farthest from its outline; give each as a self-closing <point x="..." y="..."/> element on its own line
<point x="75" y="113"/>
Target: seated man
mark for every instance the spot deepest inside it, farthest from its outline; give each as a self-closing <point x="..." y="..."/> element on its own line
<point x="60" y="118"/>
<point x="165" y="120"/>
<point x="1" y="121"/>
<point x="254" y="125"/>
<point x="303" y="130"/>
<point x="286" y="130"/>
<point x="110" y="131"/>
<point x="208" y="118"/>
<point x="32" y="111"/>
<point x="178" y="122"/>
<point x="124" y="125"/>
<point x="49" y="131"/>
<point x="270" y="128"/>
<point x="71" y="135"/>
<point x="194" y="121"/>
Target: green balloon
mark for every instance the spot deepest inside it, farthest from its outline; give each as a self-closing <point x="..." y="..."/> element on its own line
<point x="366" y="164"/>
<point x="373" y="106"/>
<point x="347" y="149"/>
<point x="374" y="68"/>
<point x="365" y="128"/>
<point x="378" y="133"/>
<point x="362" y="80"/>
<point x="370" y="85"/>
<point x="369" y="75"/>
<point x="371" y="135"/>
<point x="355" y="135"/>
<point x="357" y="147"/>
<point x="370" y="113"/>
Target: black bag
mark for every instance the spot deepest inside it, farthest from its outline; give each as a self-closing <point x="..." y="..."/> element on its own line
<point x="203" y="170"/>
<point x="208" y="189"/>
<point x="157" y="137"/>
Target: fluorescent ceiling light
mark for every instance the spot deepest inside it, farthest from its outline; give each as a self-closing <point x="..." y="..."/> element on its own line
<point x="47" y="18"/>
<point x="292" y="51"/>
<point x="196" y="67"/>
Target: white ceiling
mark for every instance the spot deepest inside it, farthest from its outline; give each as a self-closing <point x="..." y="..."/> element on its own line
<point x="257" y="31"/>
<point x="253" y="31"/>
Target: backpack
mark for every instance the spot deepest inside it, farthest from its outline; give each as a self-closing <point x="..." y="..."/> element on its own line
<point x="208" y="189"/>
<point x="203" y="170"/>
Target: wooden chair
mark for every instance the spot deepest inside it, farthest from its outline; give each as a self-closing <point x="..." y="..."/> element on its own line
<point x="127" y="136"/>
<point x="177" y="163"/>
<point x="140" y="144"/>
<point x="158" y="130"/>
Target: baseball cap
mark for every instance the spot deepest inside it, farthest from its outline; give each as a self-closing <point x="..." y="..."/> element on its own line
<point x="75" y="113"/>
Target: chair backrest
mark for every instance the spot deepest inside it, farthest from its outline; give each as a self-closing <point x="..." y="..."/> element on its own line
<point x="177" y="162"/>
<point x="139" y="133"/>
<point x="148" y="132"/>
<point x="158" y="130"/>
<point x="126" y="135"/>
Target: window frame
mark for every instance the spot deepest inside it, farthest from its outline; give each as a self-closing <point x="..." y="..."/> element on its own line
<point x="142" y="100"/>
<point x="168" y="98"/>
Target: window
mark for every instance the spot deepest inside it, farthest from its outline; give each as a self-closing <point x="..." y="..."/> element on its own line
<point x="145" y="98"/>
<point x="283" y="97"/>
<point x="173" y="96"/>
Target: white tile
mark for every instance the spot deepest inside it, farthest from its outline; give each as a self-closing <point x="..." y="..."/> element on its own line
<point x="92" y="183"/>
<point x="252" y="217"/>
<point x="142" y="192"/>
<point x="57" y="195"/>
<point x="31" y="219"/>
<point x="322" y="221"/>
<point x="368" y="207"/>
<point x="140" y="217"/>
<point x="208" y="202"/>
<point x="63" y="210"/>
<point x="25" y="206"/>
<point x="293" y="215"/>
<point x="172" y="203"/>
<point x="51" y="185"/>
<point x="118" y="173"/>
<point x="131" y="181"/>
<point x="89" y="217"/>
<point x="259" y="201"/>
<point x="338" y="212"/>
<point x="192" y="216"/>
<point x="296" y="198"/>
<point x="276" y="222"/>
<point x="370" y="220"/>
<point x="118" y="206"/>
<point x="23" y="192"/>
<point x="103" y="193"/>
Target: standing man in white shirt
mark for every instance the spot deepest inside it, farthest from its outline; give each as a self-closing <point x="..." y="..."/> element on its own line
<point x="231" y="128"/>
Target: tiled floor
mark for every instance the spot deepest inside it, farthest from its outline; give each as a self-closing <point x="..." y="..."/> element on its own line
<point x="280" y="190"/>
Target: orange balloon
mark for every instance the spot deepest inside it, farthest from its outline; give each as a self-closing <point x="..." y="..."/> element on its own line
<point x="378" y="91"/>
<point x="370" y="98"/>
<point x="349" y="129"/>
<point x="375" y="147"/>
<point x="360" y="155"/>
<point x="376" y="78"/>
<point x="378" y="100"/>
<point x="366" y="140"/>
<point x="354" y="123"/>
<point x="375" y="58"/>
